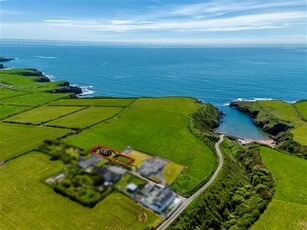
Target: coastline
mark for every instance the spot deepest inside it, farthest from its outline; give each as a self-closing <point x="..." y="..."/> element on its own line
<point x="271" y="143"/>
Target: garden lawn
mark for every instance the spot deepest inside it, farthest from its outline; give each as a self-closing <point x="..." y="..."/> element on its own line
<point x="28" y="203"/>
<point x="34" y="99"/>
<point x="42" y="114"/>
<point x="16" y="139"/>
<point x="301" y="106"/>
<point x="85" y="117"/>
<point x="288" y="208"/>
<point x="171" y="171"/>
<point x="139" y="157"/>
<point x="95" y="102"/>
<point x="8" y="110"/>
<point x="158" y="126"/>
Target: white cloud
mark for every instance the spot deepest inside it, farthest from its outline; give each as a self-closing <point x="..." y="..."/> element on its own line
<point x="237" y="23"/>
<point x="223" y="7"/>
<point x="41" y="31"/>
<point x="176" y="23"/>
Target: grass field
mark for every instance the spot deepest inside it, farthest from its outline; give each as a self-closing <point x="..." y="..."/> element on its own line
<point x="8" y="110"/>
<point x="284" y="111"/>
<point x="94" y="102"/>
<point x="171" y="171"/>
<point x="34" y="99"/>
<point x="139" y="157"/>
<point x="86" y="117"/>
<point x="17" y="139"/>
<point x="27" y="203"/>
<point x="42" y="114"/>
<point x="22" y="83"/>
<point x="6" y="93"/>
<point x="158" y="126"/>
<point x="301" y="106"/>
<point x="288" y="209"/>
<point x="294" y="114"/>
<point x="300" y="134"/>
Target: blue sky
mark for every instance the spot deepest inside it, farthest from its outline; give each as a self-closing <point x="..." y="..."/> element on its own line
<point x="156" y="21"/>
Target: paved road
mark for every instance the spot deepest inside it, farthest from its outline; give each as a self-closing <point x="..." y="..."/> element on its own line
<point x="186" y="202"/>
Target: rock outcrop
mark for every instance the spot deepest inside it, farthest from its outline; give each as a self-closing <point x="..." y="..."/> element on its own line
<point x="3" y="59"/>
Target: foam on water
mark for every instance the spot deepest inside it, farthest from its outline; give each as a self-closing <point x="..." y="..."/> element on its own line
<point x="45" y="57"/>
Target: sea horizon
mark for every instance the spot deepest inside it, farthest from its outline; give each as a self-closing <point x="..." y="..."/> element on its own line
<point x="216" y="75"/>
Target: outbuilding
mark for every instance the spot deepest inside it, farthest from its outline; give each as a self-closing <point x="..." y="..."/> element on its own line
<point x="131" y="188"/>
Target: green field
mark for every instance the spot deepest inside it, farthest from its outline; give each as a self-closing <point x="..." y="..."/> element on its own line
<point x="27" y="203"/>
<point x="288" y="209"/>
<point x="8" y="110"/>
<point x="300" y="134"/>
<point x="34" y="99"/>
<point x="7" y="93"/>
<point x="42" y="114"/>
<point x="158" y="126"/>
<point x="282" y="110"/>
<point x="13" y="79"/>
<point x="16" y="139"/>
<point x="86" y="117"/>
<point x="139" y="157"/>
<point x="294" y="115"/>
<point x="94" y="102"/>
<point x="301" y="106"/>
<point x="155" y="125"/>
<point x="171" y="171"/>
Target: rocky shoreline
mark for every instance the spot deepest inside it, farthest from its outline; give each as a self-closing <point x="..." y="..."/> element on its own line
<point x="279" y="130"/>
<point x="266" y="122"/>
<point x="64" y="86"/>
<point x="3" y="59"/>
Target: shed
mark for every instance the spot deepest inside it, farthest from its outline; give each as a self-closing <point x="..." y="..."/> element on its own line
<point x="131" y="187"/>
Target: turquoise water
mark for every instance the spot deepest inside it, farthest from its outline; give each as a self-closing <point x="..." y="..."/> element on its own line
<point x="215" y="75"/>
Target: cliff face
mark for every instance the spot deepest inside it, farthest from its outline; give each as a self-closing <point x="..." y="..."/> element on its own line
<point x="268" y="122"/>
<point x="271" y="124"/>
<point x="38" y="76"/>
<point x="68" y="89"/>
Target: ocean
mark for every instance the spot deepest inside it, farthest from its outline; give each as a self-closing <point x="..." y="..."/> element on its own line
<point x="216" y="75"/>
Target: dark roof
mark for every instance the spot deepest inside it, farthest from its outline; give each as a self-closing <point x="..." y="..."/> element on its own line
<point x="106" y="174"/>
<point x="85" y="163"/>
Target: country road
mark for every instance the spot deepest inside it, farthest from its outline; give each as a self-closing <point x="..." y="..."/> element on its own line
<point x="186" y="202"/>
